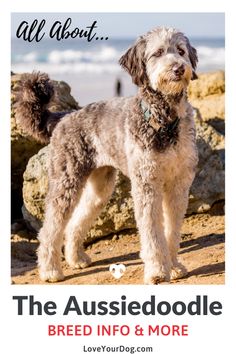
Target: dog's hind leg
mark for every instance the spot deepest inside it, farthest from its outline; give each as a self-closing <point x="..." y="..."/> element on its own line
<point x="62" y="197"/>
<point x="71" y="163"/>
<point x="95" y="196"/>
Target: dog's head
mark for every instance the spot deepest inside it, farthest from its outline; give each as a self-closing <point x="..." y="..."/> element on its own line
<point x="163" y="59"/>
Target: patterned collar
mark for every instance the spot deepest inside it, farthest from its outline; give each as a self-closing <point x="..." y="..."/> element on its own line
<point x="153" y="122"/>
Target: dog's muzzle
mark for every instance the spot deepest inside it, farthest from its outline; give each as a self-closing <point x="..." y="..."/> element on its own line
<point x="178" y="71"/>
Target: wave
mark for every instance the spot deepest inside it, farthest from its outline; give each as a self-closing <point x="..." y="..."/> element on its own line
<point x="101" y="60"/>
<point x="104" y="54"/>
<point x="211" y="56"/>
<point x="67" y="68"/>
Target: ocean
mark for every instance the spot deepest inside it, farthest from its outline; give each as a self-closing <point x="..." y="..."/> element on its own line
<point x="91" y="68"/>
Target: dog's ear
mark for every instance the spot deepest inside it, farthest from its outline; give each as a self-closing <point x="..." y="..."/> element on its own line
<point x="133" y="62"/>
<point x="192" y="52"/>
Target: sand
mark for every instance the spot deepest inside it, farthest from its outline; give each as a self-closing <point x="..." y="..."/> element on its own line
<point x="201" y="251"/>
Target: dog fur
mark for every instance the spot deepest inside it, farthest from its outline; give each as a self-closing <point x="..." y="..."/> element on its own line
<point x="89" y="145"/>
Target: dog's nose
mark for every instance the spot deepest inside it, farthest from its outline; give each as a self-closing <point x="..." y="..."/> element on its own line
<point x="179" y="70"/>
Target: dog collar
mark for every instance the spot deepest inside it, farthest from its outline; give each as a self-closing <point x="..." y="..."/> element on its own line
<point x="148" y="116"/>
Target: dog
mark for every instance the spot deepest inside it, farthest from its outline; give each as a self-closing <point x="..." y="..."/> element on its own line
<point x="150" y="137"/>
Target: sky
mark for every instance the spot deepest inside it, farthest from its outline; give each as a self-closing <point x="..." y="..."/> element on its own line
<point x="130" y="25"/>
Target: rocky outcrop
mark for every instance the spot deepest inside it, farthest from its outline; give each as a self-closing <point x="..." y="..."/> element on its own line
<point x="35" y="188"/>
<point x="209" y="184"/>
<point x="208" y="95"/>
<point x="118" y="214"/>
<point x="23" y="146"/>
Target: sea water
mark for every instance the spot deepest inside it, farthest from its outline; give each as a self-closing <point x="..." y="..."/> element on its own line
<point x="92" y="68"/>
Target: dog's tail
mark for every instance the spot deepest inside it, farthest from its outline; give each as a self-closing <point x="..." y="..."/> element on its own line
<point x="33" y="96"/>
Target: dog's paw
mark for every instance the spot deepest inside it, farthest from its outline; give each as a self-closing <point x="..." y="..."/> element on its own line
<point x="178" y="272"/>
<point x="83" y="261"/>
<point x="51" y="276"/>
<point x="155" y="278"/>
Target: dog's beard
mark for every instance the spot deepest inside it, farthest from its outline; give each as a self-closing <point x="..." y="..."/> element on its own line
<point x="168" y="84"/>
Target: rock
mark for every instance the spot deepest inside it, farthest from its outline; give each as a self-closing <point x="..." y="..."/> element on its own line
<point x="207" y="84"/>
<point x="209" y="184"/>
<point x="35" y="188"/>
<point x="15" y="227"/>
<point x="23" y="146"/>
<point x="208" y="95"/>
<point x="117" y="216"/>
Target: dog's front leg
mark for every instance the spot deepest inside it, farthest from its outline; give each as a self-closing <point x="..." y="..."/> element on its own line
<point x="175" y="203"/>
<point x="147" y="197"/>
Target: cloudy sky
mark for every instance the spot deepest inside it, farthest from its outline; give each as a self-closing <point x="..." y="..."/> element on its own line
<point x="129" y="25"/>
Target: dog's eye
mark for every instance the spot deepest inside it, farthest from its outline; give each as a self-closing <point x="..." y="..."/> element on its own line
<point x="158" y="53"/>
<point x="180" y="51"/>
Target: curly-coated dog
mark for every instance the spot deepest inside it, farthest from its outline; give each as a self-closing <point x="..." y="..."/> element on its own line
<point x="149" y="137"/>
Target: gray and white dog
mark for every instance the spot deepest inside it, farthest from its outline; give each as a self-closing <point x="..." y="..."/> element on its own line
<point x="149" y="137"/>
